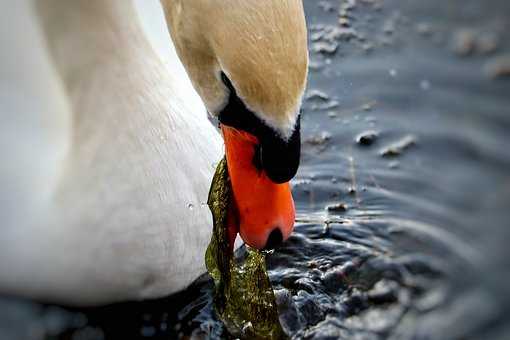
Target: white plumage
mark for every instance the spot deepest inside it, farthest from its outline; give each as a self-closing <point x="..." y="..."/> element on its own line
<point x="106" y="156"/>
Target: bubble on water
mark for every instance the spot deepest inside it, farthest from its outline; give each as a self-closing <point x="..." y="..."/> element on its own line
<point x="425" y="85"/>
<point x="191" y="206"/>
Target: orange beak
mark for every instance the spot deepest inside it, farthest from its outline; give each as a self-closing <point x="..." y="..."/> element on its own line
<point x="263" y="210"/>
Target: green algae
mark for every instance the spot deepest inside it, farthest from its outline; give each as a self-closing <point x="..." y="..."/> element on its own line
<point x="244" y="299"/>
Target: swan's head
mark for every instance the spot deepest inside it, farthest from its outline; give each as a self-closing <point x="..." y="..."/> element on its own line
<point x="248" y="61"/>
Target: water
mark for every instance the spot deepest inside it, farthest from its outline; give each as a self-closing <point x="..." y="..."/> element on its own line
<point x="401" y="235"/>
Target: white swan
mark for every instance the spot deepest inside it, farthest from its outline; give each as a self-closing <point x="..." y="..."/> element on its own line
<point x="107" y="157"/>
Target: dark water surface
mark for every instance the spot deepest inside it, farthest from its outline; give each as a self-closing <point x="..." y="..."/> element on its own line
<point x="403" y="194"/>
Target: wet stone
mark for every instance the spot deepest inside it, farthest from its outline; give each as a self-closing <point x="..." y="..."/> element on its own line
<point x="339" y="207"/>
<point x="319" y="100"/>
<point x="463" y="43"/>
<point x="326" y="39"/>
<point x="399" y="147"/>
<point x="332" y="104"/>
<point x="320" y="139"/>
<point x="498" y="67"/>
<point x="341" y="34"/>
<point x="367" y="138"/>
<point x="344" y="21"/>
<point x="389" y="27"/>
<point x="317" y="95"/>
<point x="323" y="47"/>
<point x="467" y="42"/>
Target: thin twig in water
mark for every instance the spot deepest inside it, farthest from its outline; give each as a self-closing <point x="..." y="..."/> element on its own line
<point x="354" y="188"/>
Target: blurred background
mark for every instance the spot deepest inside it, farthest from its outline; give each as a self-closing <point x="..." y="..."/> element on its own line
<point x="402" y="196"/>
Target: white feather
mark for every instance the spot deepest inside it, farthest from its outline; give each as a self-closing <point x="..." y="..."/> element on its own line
<point x="103" y="182"/>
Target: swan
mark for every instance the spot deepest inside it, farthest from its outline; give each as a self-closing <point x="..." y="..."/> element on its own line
<point x="107" y="152"/>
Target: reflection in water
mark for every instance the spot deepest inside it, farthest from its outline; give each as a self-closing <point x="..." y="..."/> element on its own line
<point x="403" y="190"/>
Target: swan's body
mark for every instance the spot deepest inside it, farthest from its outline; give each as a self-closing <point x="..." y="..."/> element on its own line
<point x="107" y="157"/>
<point x="119" y="182"/>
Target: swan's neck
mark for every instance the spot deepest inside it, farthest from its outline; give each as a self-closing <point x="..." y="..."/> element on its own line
<point x="95" y="44"/>
<point x="108" y="65"/>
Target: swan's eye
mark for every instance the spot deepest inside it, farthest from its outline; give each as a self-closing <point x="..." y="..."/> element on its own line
<point x="279" y="157"/>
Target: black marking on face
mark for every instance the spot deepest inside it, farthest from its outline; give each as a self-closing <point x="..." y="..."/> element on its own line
<point x="277" y="156"/>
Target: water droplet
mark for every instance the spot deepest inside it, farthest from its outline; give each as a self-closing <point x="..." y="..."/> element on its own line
<point x="425" y="85"/>
<point x="393" y="72"/>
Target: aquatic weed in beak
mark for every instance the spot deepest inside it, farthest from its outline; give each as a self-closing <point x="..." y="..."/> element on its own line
<point x="244" y="299"/>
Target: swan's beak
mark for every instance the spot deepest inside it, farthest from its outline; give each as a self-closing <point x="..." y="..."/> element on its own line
<point x="262" y="199"/>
